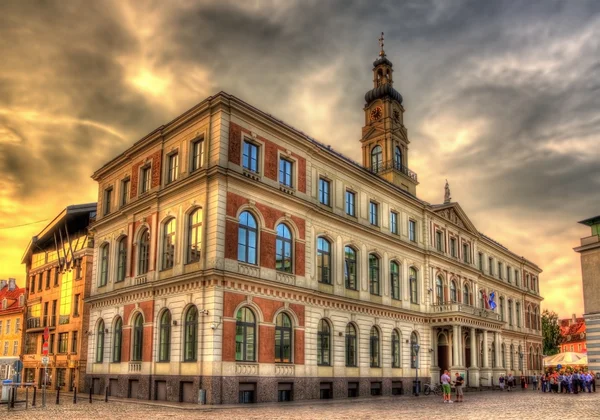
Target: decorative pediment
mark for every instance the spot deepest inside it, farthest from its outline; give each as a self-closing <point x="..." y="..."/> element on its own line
<point x="453" y="213"/>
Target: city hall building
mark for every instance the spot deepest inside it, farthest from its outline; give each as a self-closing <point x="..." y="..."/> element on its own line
<point x="237" y="259"/>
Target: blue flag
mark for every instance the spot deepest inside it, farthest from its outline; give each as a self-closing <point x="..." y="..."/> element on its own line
<point x="492" y="302"/>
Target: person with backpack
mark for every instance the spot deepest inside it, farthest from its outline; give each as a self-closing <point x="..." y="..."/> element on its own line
<point x="458" y="384"/>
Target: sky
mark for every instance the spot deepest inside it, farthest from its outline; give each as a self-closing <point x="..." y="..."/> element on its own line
<point x="501" y="99"/>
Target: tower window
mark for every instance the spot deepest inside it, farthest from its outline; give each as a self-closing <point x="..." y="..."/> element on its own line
<point x="398" y="156"/>
<point x="376" y="159"/>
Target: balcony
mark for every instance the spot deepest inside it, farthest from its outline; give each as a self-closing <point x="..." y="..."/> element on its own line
<point x="34" y="322"/>
<point x="392" y="165"/>
<point x="135" y="366"/>
<point x="448" y="308"/>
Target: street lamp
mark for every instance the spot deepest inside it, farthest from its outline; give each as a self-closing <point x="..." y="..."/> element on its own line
<point x="416" y="356"/>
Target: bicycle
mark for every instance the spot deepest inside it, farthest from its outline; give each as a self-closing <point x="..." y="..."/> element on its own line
<point x="435" y="389"/>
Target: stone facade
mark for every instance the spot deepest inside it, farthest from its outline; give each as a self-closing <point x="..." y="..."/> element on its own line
<point x="275" y="245"/>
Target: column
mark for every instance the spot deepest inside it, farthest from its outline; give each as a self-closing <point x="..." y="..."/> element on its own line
<point x="434" y="359"/>
<point x="486" y="361"/>
<point x="455" y="360"/>
<point x="497" y="348"/>
<point x="460" y="347"/>
<point x="473" y="348"/>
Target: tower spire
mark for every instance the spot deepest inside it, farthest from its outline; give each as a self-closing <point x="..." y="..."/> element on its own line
<point x="381" y="52"/>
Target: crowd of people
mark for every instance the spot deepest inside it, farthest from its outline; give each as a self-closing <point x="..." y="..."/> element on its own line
<point x="568" y="382"/>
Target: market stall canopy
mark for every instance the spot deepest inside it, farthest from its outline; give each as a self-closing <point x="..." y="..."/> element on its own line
<point x="568" y="358"/>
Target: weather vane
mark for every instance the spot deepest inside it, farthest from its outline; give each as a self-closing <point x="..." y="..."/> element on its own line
<point x="381" y="53"/>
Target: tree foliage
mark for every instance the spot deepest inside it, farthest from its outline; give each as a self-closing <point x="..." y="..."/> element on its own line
<point x="550" y="332"/>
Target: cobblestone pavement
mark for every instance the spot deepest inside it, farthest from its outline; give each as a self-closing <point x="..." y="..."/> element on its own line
<point x="480" y="405"/>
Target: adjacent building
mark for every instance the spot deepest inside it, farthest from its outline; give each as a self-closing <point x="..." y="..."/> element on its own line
<point x="12" y="308"/>
<point x="59" y="266"/>
<point x="572" y="335"/>
<point x="238" y="256"/>
<point x="590" y="276"/>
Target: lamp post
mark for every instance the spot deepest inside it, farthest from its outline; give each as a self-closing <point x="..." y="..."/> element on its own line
<point x="416" y="356"/>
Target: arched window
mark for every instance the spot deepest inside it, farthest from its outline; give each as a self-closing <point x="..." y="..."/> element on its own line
<point x="395" y="349"/>
<point x="247" y="238"/>
<point x="350" y="345"/>
<point x="283" y="339"/>
<point x="374" y="274"/>
<point x="323" y="343"/>
<point x="439" y="291"/>
<point x="190" y="339"/>
<point x="501" y="309"/>
<point x="194" y="236"/>
<point x="528" y="317"/>
<point x="453" y="294"/>
<point x="481" y="300"/>
<point x="245" y="336"/>
<point x="283" y="249"/>
<point x="324" y="260"/>
<point x="398" y="158"/>
<point x="138" y="338"/>
<point x="518" y="313"/>
<point x="164" y="338"/>
<point x="503" y="356"/>
<point x="144" y="252"/>
<point x="350" y="268"/>
<point x="510" y="312"/>
<point x="414" y="361"/>
<point x="537" y="318"/>
<point x="122" y="259"/>
<point x="103" y="265"/>
<point x="117" y="341"/>
<point x="376" y="159"/>
<point x="374" y="347"/>
<point x="100" y="342"/>
<point x="493" y="355"/>
<point x="466" y="299"/>
<point x="530" y="358"/>
<point x="412" y="277"/>
<point x="512" y="357"/>
<point x="520" y="355"/>
<point x="168" y="239"/>
<point x="395" y="279"/>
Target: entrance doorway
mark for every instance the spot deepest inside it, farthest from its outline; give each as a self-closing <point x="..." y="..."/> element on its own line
<point x="443" y="352"/>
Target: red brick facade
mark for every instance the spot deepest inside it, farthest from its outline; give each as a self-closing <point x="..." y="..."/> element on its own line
<point x="155" y="160"/>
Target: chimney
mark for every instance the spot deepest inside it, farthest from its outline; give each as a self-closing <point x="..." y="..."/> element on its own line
<point x="12" y="284"/>
<point x="574" y="320"/>
<point x="2" y="284"/>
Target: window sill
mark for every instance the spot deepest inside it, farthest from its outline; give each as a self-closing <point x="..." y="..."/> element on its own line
<point x="190" y="361"/>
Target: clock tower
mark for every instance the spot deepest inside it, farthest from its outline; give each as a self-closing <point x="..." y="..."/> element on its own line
<point x="384" y="137"/>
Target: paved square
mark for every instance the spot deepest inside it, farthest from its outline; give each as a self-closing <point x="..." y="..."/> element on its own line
<point x="479" y="405"/>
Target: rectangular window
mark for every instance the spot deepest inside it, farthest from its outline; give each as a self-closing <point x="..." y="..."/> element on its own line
<point x="74" y="342"/>
<point x="32" y="284"/>
<point x="53" y="319"/>
<point x="46" y="314"/>
<point x="63" y="340"/>
<point x="466" y="253"/>
<point x="48" y="279"/>
<point x="350" y="203"/>
<point x="250" y="158"/>
<point x="285" y="172"/>
<point x="394" y="222"/>
<point x="5" y="348"/>
<point x="197" y="154"/>
<point x="125" y="184"/>
<point x="56" y="273"/>
<point x="412" y="230"/>
<point x="40" y="282"/>
<point x="50" y="344"/>
<point x="374" y="213"/>
<point x="508" y="271"/>
<point x="500" y="270"/>
<point x="107" y="200"/>
<point x="491" y="266"/>
<point x="16" y="348"/>
<point x="439" y="240"/>
<point x="146" y="179"/>
<point x="17" y="325"/>
<point x="173" y="173"/>
<point x="8" y="326"/>
<point x="324" y="192"/>
<point x="516" y="276"/>
<point x="481" y="261"/>
<point x="453" y="247"/>
<point x="76" y="305"/>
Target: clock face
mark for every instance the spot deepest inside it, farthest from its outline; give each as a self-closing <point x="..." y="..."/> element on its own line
<point x="376" y="113"/>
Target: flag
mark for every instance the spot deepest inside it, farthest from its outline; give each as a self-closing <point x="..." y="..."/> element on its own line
<point x="485" y="300"/>
<point x="492" y="302"/>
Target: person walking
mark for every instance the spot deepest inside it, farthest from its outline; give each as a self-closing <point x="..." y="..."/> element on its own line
<point x="510" y="381"/>
<point x="458" y="383"/>
<point x="445" y="379"/>
<point x="501" y="381"/>
<point x="535" y="382"/>
<point x="523" y="383"/>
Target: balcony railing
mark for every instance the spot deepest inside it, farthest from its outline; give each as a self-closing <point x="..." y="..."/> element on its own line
<point x="135" y="366"/>
<point x="442" y="308"/>
<point x="393" y="165"/>
<point x="34" y="322"/>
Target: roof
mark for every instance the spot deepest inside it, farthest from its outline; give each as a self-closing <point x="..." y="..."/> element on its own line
<point x="11" y="295"/>
<point x="70" y="215"/>
<point x="591" y="221"/>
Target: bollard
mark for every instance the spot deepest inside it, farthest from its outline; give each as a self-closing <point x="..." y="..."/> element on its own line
<point x="26" y="397"/>
<point x="12" y="397"/>
<point x="57" y="396"/>
<point x="8" y="402"/>
<point x="74" y="395"/>
<point x="106" y="394"/>
<point x="34" y="395"/>
<point x="90" y="395"/>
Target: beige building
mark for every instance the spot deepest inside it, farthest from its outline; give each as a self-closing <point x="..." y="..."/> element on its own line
<point x="12" y="308"/>
<point x="59" y="266"/>
<point x="238" y="256"/>
<point x="590" y="276"/>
